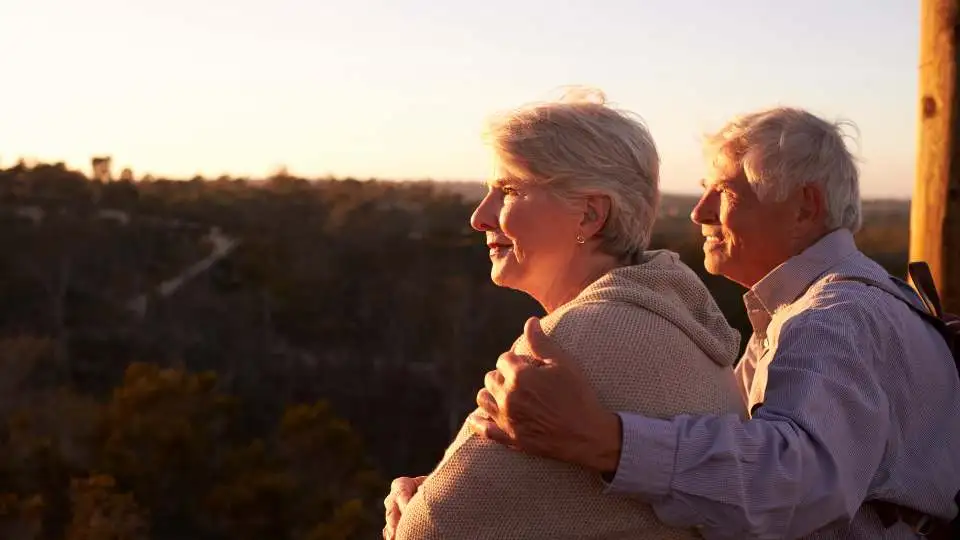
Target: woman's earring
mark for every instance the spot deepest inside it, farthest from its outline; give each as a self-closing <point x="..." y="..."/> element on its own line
<point x="580" y="239"/>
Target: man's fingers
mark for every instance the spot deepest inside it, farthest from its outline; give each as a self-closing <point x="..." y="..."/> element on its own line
<point x="545" y="349"/>
<point x="485" y="427"/>
<point x="487" y="403"/>
<point x="475" y="421"/>
<point x="493" y="380"/>
<point x="508" y="364"/>
<point x="541" y="346"/>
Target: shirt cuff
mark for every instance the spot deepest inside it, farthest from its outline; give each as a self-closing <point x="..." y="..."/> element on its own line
<point x="647" y="456"/>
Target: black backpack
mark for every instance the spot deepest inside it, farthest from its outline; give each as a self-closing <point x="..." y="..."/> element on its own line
<point x="949" y="327"/>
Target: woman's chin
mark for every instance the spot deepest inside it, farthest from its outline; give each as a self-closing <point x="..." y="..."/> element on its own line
<point x="502" y="277"/>
<point x="498" y="279"/>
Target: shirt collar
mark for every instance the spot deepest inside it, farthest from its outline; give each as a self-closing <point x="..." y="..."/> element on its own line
<point x="785" y="283"/>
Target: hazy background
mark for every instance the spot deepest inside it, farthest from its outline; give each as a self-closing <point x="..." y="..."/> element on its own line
<point x="387" y="89"/>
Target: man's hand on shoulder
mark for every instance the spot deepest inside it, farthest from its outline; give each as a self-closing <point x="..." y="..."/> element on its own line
<point x="545" y="406"/>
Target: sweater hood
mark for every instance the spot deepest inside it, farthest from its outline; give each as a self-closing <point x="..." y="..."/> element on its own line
<point x="662" y="284"/>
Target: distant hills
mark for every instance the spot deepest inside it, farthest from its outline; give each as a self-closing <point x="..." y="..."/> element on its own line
<point x="676" y="204"/>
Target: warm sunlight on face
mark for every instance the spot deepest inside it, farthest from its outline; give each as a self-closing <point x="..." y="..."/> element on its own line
<point x="744" y="238"/>
<point x="531" y="234"/>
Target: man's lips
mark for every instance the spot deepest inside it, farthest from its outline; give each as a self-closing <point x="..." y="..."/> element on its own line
<point x="494" y="242"/>
<point x="498" y="249"/>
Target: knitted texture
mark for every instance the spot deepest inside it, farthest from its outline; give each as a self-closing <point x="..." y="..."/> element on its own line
<point x="651" y="340"/>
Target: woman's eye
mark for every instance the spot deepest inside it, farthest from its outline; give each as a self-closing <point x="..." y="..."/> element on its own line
<point x="509" y="190"/>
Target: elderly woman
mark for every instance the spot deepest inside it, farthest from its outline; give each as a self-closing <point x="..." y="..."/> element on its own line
<point x="567" y="219"/>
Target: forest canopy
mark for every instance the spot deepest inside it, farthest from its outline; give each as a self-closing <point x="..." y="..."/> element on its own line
<point x="232" y="358"/>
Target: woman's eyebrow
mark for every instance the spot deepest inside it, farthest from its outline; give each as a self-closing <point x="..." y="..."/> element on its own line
<point x="498" y="182"/>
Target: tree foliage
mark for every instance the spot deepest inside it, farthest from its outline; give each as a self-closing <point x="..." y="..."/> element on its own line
<point x="152" y="386"/>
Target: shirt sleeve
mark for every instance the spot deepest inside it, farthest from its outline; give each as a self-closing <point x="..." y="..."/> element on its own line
<point x="804" y="461"/>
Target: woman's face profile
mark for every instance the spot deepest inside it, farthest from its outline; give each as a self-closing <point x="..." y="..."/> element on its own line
<point x="531" y="234"/>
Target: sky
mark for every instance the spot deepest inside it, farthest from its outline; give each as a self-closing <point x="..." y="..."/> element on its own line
<point x="400" y="89"/>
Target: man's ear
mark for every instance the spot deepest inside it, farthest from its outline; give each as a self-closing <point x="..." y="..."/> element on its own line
<point x="812" y="207"/>
<point x="595" y="214"/>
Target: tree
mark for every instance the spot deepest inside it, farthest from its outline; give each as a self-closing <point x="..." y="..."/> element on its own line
<point x="101" y="513"/>
<point x="20" y="516"/>
<point x="164" y="433"/>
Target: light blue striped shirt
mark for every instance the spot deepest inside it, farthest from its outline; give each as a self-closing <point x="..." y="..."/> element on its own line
<point x="860" y="401"/>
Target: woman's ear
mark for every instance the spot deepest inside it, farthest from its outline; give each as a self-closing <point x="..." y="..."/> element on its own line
<point x="595" y="215"/>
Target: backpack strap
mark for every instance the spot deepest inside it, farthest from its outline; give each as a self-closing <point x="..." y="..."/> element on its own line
<point x="923" y="281"/>
<point x="932" y="302"/>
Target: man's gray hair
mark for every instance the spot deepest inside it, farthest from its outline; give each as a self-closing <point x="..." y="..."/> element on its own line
<point x="782" y="149"/>
<point x="580" y="146"/>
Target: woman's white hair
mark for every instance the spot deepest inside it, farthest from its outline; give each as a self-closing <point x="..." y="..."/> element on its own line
<point x="580" y="146"/>
<point x="782" y="149"/>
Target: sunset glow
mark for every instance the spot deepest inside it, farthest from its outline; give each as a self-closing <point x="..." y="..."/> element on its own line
<point x="400" y="90"/>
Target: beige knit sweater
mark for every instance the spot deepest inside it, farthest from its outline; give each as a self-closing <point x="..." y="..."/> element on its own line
<point x="651" y="340"/>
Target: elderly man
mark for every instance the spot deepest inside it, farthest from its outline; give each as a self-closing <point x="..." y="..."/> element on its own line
<point x="855" y="401"/>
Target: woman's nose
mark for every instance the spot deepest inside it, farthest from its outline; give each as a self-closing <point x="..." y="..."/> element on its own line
<point x="484" y="218"/>
<point x="705" y="212"/>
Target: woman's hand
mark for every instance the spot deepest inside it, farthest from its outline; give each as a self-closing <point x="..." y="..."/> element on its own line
<point x="401" y="491"/>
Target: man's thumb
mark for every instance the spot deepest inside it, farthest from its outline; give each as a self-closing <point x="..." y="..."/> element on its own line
<point x="541" y="346"/>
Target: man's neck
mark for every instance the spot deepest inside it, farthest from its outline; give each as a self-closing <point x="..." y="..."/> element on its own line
<point x="798" y="246"/>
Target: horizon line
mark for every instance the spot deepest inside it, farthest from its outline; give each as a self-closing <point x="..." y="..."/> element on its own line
<point x="282" y="171"/>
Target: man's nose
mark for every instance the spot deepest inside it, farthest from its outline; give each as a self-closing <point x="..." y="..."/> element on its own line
<point x="705" y="212"/>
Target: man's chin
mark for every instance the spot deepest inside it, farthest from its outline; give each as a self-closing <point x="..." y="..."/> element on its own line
<point x="713" y="265"/>
<point x="723" y="268"/>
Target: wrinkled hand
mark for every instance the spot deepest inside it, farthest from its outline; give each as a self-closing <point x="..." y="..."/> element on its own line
<point x="545" y="406"/>
<point x="401" y="491"/>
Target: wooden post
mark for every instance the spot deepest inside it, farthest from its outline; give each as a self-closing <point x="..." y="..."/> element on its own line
<point x="935" y="209"/>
